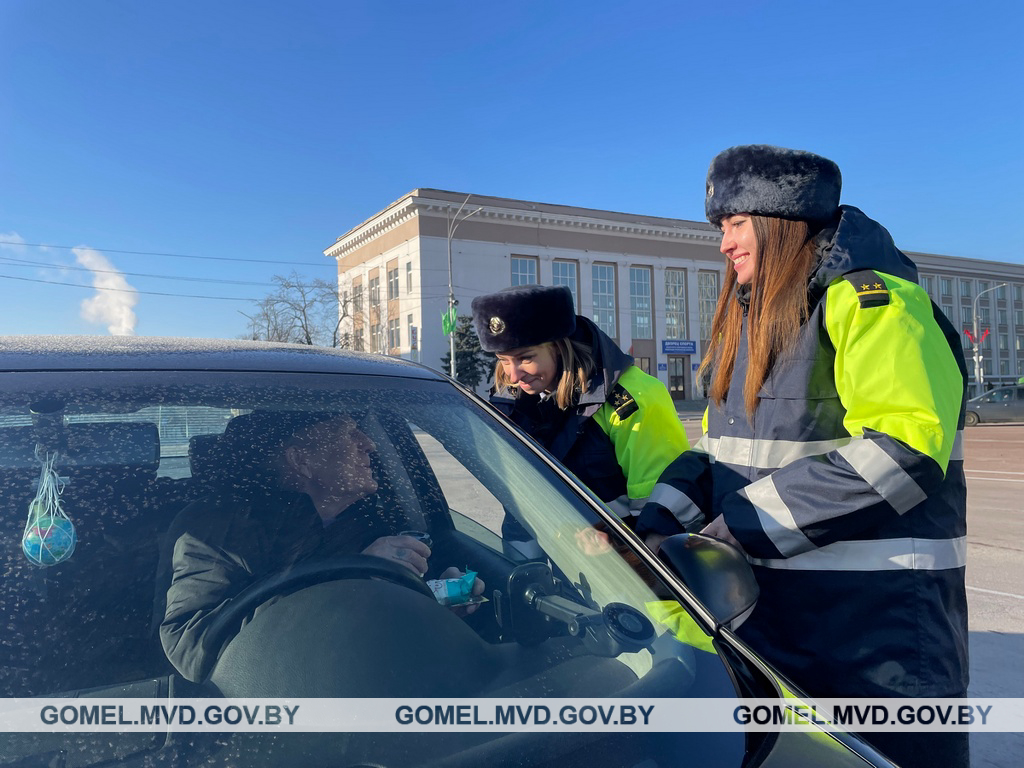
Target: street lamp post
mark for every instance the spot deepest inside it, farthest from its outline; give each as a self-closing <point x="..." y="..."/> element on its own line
<point x="453" y="224"/>
<point x="979" y="377"/>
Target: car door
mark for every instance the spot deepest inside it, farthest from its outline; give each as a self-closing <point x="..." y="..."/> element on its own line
<point x="1016" y="406"/>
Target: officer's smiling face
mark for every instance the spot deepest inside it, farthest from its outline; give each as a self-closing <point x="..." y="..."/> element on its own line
<point x="739" y="245"/>
<point x="532" y="369"/>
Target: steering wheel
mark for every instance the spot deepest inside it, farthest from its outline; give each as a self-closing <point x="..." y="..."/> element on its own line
<point x="228" y="622"/>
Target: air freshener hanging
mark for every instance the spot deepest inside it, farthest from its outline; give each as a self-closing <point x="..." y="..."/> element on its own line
<point x="49" y="536"/>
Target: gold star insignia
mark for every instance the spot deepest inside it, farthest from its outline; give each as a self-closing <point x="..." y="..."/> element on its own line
<point x="864" y="287"/>
<point x="879" y="285"/>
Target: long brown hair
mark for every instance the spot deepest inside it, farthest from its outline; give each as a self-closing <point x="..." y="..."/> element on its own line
<point x="576" y="361"/>
<point x="778" y="306"/>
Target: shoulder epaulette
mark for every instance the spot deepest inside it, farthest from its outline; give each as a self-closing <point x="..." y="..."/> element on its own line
<point x="870" y="287"/>
<point x="623" y="402"/>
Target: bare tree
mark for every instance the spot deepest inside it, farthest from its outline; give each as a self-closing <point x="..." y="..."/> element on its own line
<point x="300" y="312"/>
<point x="268" y="323"/>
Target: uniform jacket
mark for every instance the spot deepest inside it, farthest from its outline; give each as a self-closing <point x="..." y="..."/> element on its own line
<point x="225" y="543"/>
<point x="619" y="436"/>
<point x="846" y="490"/>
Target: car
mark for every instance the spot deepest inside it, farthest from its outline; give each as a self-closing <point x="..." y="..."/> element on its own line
<point x="113" y="446"/>
<point x="1000" y="404"/>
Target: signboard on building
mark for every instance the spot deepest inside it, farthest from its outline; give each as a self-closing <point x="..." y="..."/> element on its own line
<point x="678" y="347"/>
<point x="662" y="366"/>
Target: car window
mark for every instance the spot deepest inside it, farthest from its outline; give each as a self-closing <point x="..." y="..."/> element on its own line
<point x="150" y="469"/>
<point x="464" y="493"/>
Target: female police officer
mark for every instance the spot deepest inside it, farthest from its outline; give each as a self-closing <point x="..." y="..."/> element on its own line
<point x="832" y="454"/>
<point x="567" y="384"/>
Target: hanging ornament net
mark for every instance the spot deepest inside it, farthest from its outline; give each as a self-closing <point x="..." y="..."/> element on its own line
<point x="49" y="536"/>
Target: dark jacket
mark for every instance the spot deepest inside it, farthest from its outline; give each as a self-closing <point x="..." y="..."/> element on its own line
<point x="598" y="438"/>
<point x="846" y="490"/>
<point x="225" y="543"/>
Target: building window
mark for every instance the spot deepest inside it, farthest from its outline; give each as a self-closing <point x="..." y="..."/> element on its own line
<point x="604" y="298"/>
<point x="1018" y="292"/>
<point x="1018" y="316"/>
<point x="675" y="303"/>
<point x="947" y="310"/>
<point x="982" y="286"/>
<point x="984" y="317"/>
<point x="965" y="288"/>
<point x="1004" y="341"/>
<point x="411" y="330"/>
<point x="928" y="283"/>
<point x="1004" y="367"/>
<point x="358" y="344"/>
<point x="643" y="363"/>
<point x="1004" y="316"/>
<point x="965" y="317"/>
<point x="524" y="270"/>
<point x="408" y="277"/>
<point x="565" y="273"/>
<point x="640" y="302"/>
<point x="946" y="287"/>
<point x="392" y="284"/>
<point x="376" y="339"/>
<point x="357" y="298"/>
<point x="707" y="296"/>
<point x="1001" y="292"/>
<point x="394" y="331"/>
<point x="374" y="291"/>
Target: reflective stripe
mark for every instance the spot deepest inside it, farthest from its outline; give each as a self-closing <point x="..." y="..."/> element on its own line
<point x="884" y="555"/>
<point x="769" y="454"/>
<point x="774" y="454"/>
<point x="701" y="446"/>
<point x="676" y="502"/>
<point x="775" y="517"/>
<point x="958" y="447"/>
<point x="624" y="506"/>
<point x="882" y="473"/>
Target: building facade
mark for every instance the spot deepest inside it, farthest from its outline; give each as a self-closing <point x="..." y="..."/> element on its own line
<point x="651" y="283"/>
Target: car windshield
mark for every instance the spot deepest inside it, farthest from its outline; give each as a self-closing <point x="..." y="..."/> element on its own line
<point x="112" y="481"/>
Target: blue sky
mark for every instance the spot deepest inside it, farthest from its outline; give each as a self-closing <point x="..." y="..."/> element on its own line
<point x="248" y="135"/>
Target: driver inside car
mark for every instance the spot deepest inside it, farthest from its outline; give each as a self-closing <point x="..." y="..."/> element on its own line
<point x="307" y="493"/>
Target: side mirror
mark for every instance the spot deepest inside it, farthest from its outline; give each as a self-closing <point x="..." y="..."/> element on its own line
<point x="716" y="572"/>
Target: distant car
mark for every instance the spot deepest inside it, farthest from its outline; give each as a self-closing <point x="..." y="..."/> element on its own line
<point x="1002" y="404"/>
<point x="137" y="432"/>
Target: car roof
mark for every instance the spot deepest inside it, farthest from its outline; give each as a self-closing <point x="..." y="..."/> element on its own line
<point x="127" y="353"/>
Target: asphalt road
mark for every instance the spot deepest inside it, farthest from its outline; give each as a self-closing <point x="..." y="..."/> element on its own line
<point x="994" y="463"/>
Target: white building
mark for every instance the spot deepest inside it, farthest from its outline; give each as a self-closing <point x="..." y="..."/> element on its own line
<point x="651" y="283"/>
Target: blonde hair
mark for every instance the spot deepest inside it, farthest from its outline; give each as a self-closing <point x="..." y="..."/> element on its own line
<point x="778" y="306"/>
<point x="576" y="364"/>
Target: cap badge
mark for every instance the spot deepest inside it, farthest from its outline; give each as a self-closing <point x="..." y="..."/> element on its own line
<point x="497" y="325"/>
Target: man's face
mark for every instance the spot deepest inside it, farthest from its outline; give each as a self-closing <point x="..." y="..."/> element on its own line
<point x="337" y="455"/>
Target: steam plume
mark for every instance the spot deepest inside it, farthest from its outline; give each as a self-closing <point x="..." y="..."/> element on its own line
<point x="114" y="302"/>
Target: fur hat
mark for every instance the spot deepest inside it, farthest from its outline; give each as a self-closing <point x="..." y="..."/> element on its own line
<point x="772" y="181"/>
<point x="523" y="316"/>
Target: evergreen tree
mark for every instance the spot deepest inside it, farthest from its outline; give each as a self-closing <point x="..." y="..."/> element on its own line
<point x="472" y="365"/>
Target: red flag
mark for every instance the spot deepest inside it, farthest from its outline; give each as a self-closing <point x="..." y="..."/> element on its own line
<point x="969" y="335"/>
<point x="983" y="335"/>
